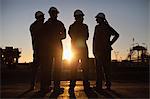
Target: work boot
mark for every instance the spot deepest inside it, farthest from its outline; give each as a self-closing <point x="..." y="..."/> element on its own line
<point x="87" y="87"/>
<point x="32" y="87"/>
<point x="98" y="89"/>
<point x="108" y="85"/>
<point x="58" y="90"/>
<point x="71" y="90"/>
<point x="42" y="93"/>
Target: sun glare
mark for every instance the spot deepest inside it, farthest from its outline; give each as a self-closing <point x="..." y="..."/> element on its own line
<point x="67" y="54"/>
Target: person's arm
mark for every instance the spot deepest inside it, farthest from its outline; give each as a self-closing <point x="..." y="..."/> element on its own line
<point x="115" y="34"/>
<point x="87" y="33"/>
<point x="32" y="31"/>
<point x="63" y="32"/>
<point x="69" y="32"/>
<point x="94" y="42"/>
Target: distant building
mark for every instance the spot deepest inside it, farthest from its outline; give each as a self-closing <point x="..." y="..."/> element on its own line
<point x="138" y="54"/>
<point x="9" y="55"/>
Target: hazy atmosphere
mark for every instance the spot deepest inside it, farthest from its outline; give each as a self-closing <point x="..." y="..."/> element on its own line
<point x="130" y="18"/>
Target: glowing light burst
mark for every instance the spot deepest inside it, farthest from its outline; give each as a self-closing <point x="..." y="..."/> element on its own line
<point x="67" y="54"/>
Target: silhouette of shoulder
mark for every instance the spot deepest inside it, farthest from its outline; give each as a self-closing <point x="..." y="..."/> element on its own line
<point x="50" y="21"/>
<point x="36" y="27"/>
<point x="75" y="25"/>
<point x="107" y="28"/>
<point x="78" y="31"/>
<point x="59" y="22"/>
<point x="78" y="24"/>
<point x="32" y="26"/>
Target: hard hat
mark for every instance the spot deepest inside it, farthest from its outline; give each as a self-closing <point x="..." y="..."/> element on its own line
<point x="100" y="15"/>
<point x="53" y="9"/>
<point x="78" y="12"/>
<point x="38" y="13"/>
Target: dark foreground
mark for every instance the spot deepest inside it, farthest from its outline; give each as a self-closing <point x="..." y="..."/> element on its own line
<point x="119" y="90"/>
<point x="127" y="82"/>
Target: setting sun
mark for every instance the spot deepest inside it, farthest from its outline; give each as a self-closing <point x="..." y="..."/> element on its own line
<point x="67" y="54"/>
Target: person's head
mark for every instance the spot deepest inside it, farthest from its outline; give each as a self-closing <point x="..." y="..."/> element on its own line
<point x="78" y="14"/>
<point x="53" y="12"/>
<point x="39" y="16"/>
<point x="100" y="17"/>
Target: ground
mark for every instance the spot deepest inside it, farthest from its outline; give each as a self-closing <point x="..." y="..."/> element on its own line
<point x="120" y="89"/>
<point x="127" y="82"/>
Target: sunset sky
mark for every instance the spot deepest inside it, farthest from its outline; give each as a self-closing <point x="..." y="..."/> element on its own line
<point x="130" y="18"/>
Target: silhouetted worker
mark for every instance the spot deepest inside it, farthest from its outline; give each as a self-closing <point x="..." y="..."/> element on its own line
<point x="79" y="33"/>
<point x="102" y="50"/>
<point x="36" y="30"/>
<point x="55" y="32"/>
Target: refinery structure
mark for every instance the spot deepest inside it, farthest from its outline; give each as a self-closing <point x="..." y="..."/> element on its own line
<point x="9" y="56"/>
<point x="137" y="54"/>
